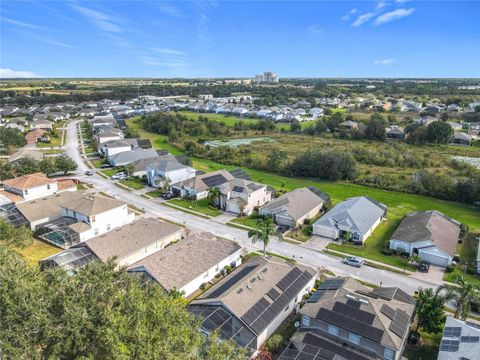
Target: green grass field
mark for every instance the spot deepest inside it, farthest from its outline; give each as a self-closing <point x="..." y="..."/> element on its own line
<point x="134" y="183"/>
<point x="154" y="193"/>
<point x="245" y="220"/>
<point x="158" y="141"/>
<point x="200" y="206"/>
<point x="468" y="255"/>
<point x="37" y="251"/>
<point x="113" y="171"/>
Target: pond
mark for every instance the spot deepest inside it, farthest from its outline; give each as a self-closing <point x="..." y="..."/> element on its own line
<point x="469" y="160"/>
<point x="237" y="142"/>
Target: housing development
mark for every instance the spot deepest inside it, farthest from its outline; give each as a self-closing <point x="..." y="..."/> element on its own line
<point x="175" y="212"/>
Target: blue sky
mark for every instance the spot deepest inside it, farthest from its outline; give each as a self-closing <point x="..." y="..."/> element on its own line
<point x="396" y="38"/>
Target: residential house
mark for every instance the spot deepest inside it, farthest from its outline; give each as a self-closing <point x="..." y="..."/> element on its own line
<point x="128" y="157"/>
<point x="108" y="134"/>
<point x="112" y="147"/>
<point x="455" y="126"/>
<point x="197" y="188"/>
<point x="354" y="218"/>
<point x="26" y="152"/>
<point x="139" y="167"/>
<point x="348" y="125"/>
<point x="240" y="196"/>
<point x="348" y="320"/>
<point x="460" y="340"/>
<point x="248" y="305"/>
<point x="293" y="208"/>
<point x="430" y="234"/>
<point x="426" y="120"/>
<point x="189" y="263"/>
<point x="395" y="133"/>
<point x="461" y="138"/>
<point x="35" y="186"/>
<point x="165" y="172"/>
<point x="41" y="124"/>
<point x="127" y="244"/>
<point x="34" y="136"/>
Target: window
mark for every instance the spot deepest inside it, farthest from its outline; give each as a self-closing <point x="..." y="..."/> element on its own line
<point x="48" y="186"/>
<point x="389" y="354"/>
<point x="332" y="329"/>
<point x="26" y="192"/>
<point x="108" y="227"/>
<point x="286" y="309"/>
<point x="96" y="232"/>
<point x="306" y="321"/>
<point x="354" y="338"/>
<point x="93" y="218"/>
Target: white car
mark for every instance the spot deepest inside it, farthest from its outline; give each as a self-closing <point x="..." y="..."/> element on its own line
<point x="119" y="176"/>
<point x="353" y="261"/>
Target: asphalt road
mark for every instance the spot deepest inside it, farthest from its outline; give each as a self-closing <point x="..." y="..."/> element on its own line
<point x="196" y="224"/>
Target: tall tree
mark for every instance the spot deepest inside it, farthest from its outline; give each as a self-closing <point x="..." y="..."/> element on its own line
<point x="266" y="228"/>
<point x="439" y="132"/>
<point x="429" y="311"/>
<point x="463" y="294"/>
<point x="48" y="165"/>
<point x="65" y="164"/>
<point x="213" y="195"/>
<point x="26" y="165"/>
<point x="98" y="313"/>
<point x="375" y="129"/>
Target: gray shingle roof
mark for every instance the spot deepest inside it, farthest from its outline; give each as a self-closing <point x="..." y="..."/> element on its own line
<point x="127" y="157"/>
<point x="354" y="214"/>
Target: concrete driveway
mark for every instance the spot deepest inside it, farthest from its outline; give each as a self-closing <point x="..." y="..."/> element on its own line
<point x="317" y="243"/>
<point x="434" y="275"/>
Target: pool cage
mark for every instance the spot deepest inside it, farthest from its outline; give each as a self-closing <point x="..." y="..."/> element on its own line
<point x="59" y="233"/>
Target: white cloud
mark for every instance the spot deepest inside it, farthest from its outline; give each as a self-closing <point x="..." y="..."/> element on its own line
<point x="170" y="10"/>
<point x="362" y="19"/>
<point x="402" y="1"/>
<point x="101" y="20"/>
<point x="6" y="73"/>
<point x="350" y="13"/>
<point x="384" y="62"/>
<point x="393" y="15"/>
<point x="165" y="51"/>
<point x="21" y="24"/>
<point x="315" y="30"/>
<point x="380" y="5"/>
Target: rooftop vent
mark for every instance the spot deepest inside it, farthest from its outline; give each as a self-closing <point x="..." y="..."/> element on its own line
<point x="249" y="286"/>
<point x="351" y="297"/>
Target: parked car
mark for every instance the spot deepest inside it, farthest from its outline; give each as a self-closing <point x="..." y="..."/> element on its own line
<point x="168" y="196"/>
<point x="424" y="266"/>
<point x="89" y="172"/>
<point x="105" y="166"/>
<point x="353" y="261"/>
<point x="119" y="176"/>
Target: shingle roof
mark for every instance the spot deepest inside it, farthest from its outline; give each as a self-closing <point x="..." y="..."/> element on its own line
<point x="295" y="203"/>
<point x="95" y="204"/>
<point x="130" y="238"/>
<point x="182" y="262"/>
<point x="29" y="181"/>
<point x="198" y="182"/>
<point x="354" y="214"/>
<point x="127" y="157"/>
<point x="429" y="226"/>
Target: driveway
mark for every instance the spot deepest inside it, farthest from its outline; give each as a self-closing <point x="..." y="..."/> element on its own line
<point x="434" y="275"/>
<point x="317" y="243"/>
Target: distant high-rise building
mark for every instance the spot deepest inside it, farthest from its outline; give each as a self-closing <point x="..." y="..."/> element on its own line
<point x="267" y="77"/>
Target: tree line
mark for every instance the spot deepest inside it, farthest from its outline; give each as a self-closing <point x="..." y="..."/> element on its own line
<point x="28" y="165"/>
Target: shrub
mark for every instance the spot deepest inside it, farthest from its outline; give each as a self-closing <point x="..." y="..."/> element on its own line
<point x="388" y="251"/>
<point x="405" y="255"/>
<point x="449" y="269"/>
<point x="228" y="269"/>
<point x="275" y="342"/>
<point x="456" y="258"/>
<point x="471" y="270"/>
<point x="203" y="286"/>
<point x="307" y="221"/>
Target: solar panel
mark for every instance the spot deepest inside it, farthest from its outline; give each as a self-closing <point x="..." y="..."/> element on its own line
<point x="354" y="313"/>
<point x="449" y="345"/>
<point x="316" y="296"/>
<point x="353" y="303"/>
<point x="255" y="311"/>
<point x="234" y="278"/>
<point x="289" y="278"/>
<point x="253" y="186"/>
<point x="475" y="325"/>
<point x="214" y="180"/>
<point x="452" y="331"/>
<point x="387" y="311"/>
<point x="400" y="323"/>
<point x="273" y="294"/>
<point x="331" y="284"/>
<point x="238" y="189"/>
<point x="240" y="174"/>
<point x="401" y="295"/>
<point x="470" y="339"/>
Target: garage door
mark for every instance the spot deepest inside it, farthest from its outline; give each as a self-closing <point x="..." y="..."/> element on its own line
<point x="434" y="259"/>
<point x="325" y="232"/>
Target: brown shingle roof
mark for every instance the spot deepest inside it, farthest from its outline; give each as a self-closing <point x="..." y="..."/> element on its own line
<point x="182" y="262"/>
<point x="29" y="181"/>
<point x="130" y="238"/>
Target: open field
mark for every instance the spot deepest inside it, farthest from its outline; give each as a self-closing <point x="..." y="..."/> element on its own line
<point x="37" y="251"/>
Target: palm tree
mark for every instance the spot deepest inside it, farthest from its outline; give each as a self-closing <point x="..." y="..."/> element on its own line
<point x="462" y="293"/>
<point x="266" y="228"/>
<point x="213" y="194"/>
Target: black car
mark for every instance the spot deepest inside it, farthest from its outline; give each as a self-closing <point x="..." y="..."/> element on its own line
<point x="89" y="172"/>
<point x="168" y="196"/>
<point x="424" y="266"/>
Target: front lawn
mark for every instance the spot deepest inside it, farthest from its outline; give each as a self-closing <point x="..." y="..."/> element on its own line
<point x="250" y="221"/>
<point x="54" y="142"/>
<point x="37" y="251"/>
<point x="373" y="246"/>
<point x="112" y="171"/>
<point x="154" y="193"/>
<point x="134" y="183"/>
<point x="98" y="162"/>
<point x="302" y="234"/>
<point x="201" y="206"/>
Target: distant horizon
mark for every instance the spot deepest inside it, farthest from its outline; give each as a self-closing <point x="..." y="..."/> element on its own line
<point x="235" y="39"/>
